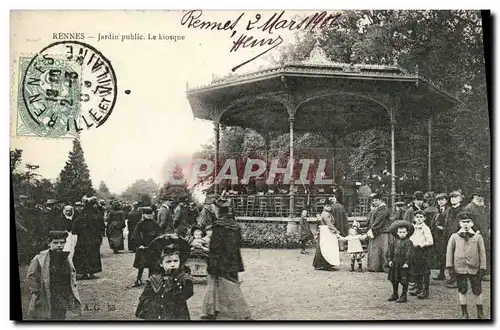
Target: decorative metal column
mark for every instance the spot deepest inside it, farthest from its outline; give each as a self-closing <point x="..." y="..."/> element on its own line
<point x="429" y="160"/>
<point x="291" y="120"/>
<point x="216" y="158"/>
<point x="393" y="160"/>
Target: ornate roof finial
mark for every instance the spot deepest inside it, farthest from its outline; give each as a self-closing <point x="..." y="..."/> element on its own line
<point x="317" y="55"/>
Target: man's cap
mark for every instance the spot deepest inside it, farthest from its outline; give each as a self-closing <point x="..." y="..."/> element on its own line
<point x="418" y="195"/>
<point x="68" y="208"/>
<point x="51" y="201"/>
<point x="400" y="204"/>
<point x="147" y="210"/>
<point x="441" y="196"/>
<point x="376" y="195"/>
<point x="57" y="234"/>
<point x="78" y="203"/>
<point x="419" y="212"/>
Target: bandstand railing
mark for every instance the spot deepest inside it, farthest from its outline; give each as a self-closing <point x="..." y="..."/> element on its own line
<point x="278" y="206"/>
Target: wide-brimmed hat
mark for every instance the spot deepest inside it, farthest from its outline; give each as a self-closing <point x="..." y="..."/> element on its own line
<point x="401" y="223"/>
<point x="170" y="243"/>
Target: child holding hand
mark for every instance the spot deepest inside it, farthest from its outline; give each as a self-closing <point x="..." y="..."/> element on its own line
<point x="354" y="248"/>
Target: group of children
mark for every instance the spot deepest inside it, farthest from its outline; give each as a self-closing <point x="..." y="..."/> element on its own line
<point x="409" y="254"/>
<point x="170" y="285"/>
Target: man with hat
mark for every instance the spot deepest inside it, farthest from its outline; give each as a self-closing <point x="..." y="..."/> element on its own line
<point x="399" y="211"/>
<point x="378" y="234"/>
<point x="181" y="217"/>
<point x="52" y="281"/>
<point x="482" y="222"/>
<point x="453" y="225"/>
<point x="438" y="232"/>
<point x="165" y="218"/>
<point x="144" y="233"/>
<point x="466" y="262"/>
<point x="133" y="218"/>
<point x="207" y="216"/>
<point x="418" y="202"/>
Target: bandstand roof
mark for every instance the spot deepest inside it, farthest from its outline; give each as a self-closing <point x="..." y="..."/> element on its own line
<point x="322" y="95"/>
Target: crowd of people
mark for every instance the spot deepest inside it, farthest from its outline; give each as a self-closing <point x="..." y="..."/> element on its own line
<point x="405" y="243"/>
<point x="400" y="242"/>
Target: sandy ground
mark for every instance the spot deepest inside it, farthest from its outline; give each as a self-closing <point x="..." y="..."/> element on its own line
<point x="278" y="285"/>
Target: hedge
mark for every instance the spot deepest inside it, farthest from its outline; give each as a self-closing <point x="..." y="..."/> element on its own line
<point x="272" y="236"/>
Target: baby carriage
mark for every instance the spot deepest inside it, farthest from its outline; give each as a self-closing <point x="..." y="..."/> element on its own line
<point x="197" y="261"/>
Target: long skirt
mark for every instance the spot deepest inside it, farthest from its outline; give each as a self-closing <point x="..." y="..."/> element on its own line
<point x="327" y="244"/>
<point x="87" y="256"/>
<point x="377" y="253"/>
<point x="116" y="239"/>
<point x="224" y="300"/>
<point x="142" y="258"/>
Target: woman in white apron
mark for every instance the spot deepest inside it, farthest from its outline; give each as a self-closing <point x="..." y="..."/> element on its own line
<point x="68" y="213"/>
<point x="327" y="255"/>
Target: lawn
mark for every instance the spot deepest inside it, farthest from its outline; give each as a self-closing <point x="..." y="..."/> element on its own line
<point x="278" y="285"/>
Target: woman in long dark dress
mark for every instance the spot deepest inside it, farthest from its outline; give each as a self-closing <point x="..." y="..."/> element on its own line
<point x="114" y="230"/>
<point x="223" y="298"/>
<point x="89" y="228"/>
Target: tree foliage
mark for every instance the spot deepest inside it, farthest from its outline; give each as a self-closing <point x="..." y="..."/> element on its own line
<point x="28" y="182"/>
<point x="140" y="188"/>
<point x="445" y="47"/>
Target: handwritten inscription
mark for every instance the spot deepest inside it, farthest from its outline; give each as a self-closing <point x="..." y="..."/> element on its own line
<point x="276" y="22"/>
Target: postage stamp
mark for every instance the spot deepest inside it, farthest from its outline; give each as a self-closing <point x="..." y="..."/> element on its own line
<point x="67" y="87"/>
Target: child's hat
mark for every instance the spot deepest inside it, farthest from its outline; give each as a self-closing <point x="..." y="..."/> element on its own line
<point x="465" y="216"/>
<point x="169" y="243"/>
<point x="401" y="224"/>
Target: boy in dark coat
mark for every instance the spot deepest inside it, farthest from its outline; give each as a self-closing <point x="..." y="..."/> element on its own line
<point x="305" y="233"/>
<point x="466" y="261"/>
<point x="165" y="295"/>
<point x="144" y="233"/>
<point x="399" y="256"/>
<point x="438" y="224"/>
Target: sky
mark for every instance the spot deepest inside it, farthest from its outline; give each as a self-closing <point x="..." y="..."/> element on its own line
<point x="154" y="123"/>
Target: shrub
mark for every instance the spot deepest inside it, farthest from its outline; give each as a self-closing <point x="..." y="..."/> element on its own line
<point x="271" y="236"/>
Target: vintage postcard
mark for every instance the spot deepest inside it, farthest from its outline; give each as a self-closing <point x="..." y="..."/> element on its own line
<point x="251" y="165"/>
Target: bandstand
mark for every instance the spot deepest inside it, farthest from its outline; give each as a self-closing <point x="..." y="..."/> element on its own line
<point x="321" y="96"/>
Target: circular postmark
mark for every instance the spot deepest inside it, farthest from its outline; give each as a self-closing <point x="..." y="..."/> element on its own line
<point x="67" y="87"/>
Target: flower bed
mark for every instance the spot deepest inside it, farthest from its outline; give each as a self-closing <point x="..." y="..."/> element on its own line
<point x="270" y="235"/>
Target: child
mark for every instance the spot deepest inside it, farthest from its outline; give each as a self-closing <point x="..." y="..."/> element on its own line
<point x="199" y="242"/>
<point x="144" y="233"/>
<point x="466" y="258"/>
<point x="398" y="257"/>
<point x="354" y="247"/>
<point x="305" y="233"/>
<point x="52" y="281"/>
<point x="422" y="244"/>
<point x="165" y="295"/>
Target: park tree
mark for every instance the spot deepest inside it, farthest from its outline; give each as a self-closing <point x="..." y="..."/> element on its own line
<point x="175" y="188"/>
<point x="28" y="182"/>
<point x="140" y="188"/>
<point x="103" y="192"/>
<point x="74" y="180"/>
